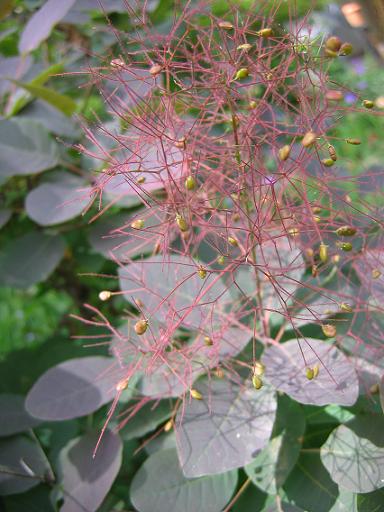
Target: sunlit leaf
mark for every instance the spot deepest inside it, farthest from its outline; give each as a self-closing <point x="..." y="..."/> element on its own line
<point x="226" y="429"/>
<point x="286" y="365"/>
<point x="14" y="417"/>
<point x="353" y="462"/>
<point x="30" y="259"/>
<point x="72" y="389"/>
<point x="160" y="485"/>
<point x="85" y="479"/>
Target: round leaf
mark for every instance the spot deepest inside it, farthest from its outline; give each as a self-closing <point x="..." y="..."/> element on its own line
<point x="336" y="383"/>
<point x="72" y="389"/>
<point x="14" y="417"/>
<point x="353" y="462"/>
<point x="225" y="429"/>
<point x="160" y="485"/>
<point x="85" y="479"/>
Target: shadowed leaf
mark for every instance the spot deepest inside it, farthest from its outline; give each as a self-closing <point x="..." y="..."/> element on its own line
<point x="14" y="417"/>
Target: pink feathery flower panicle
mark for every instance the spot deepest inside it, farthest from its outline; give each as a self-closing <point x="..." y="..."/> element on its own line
<point x="223" y="139"/>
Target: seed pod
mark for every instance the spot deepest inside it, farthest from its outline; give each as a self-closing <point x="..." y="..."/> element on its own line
<point x="316" y="370"/>
<point x="317" y="218"/>
<point x="190" y="183"/>
<point x="330" y="53"/>
<point x="252" y="104"/>
<point x="316" y="209"/>
<point x="141" y="180"/>
<point x="345" y="246"/>
<point x="328" y="162"/>
<point x="329" y="330"/>
<point x="123" y="384"/>
<point x="168" y="426"/>
<point x="181" y="143"/>
<point x="336" y="258"/>
<point x="105" y="295"/>
<point x="314" y="271"/>
<point x="346" y="49"/>
<point x="308" y="139"/>
<point x="333" y="43"/>
<point x="368" y="104"/>
<point x="155" y="69"/>
<point x="246" y="47"/>
<point x="353" y="142"/>
<point x="219" y="373"/>
<point x="196" y="394"/>
<point x="309" y="252"/>
<point x="376" y="273"/>
<point x="221" y="260"/>
<point x="208" y="341"/>
<point x="137" y="224"/>
<point x="293" y="232"/>
<point x="265" y="32"/>
<point x="334" y="95"/>
<point x="257" y="382"/>
<point x="117" y="63"/>
<point x="284" y="152"/>
<point x="323" y="253"/>
<point x="141" y="326"/>
<point x="309" y="373"/>
<point x="226" y="25"/>
<point x="241" y="73"/>
<point x="182" y="223"/>
<point x="258" y="369"/>
<point x="347" y="308"/>
<point x="346" y="231"/>
<point x="374" y="389"/>
<point x="232" y="241"/>
<point x="202" y="272"/>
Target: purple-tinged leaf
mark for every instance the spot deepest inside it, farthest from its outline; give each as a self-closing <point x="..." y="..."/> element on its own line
<point x="336" y="383"/>
<point x="5" y="215"/>
<point x="13" y="416"/>
<point x="160" y="485"/>
<point x="12" y="67"/>
<point x="272" y="465"/>
<point x="85" y="479"/>
<point x="25" y="148"/>
<point x="225" y="429"/>
<point x="72" y="389"/>
<point x="369" y="374"/>
<point x="171" y="288"/>
<point x="41" y="23"/>
<point x="60" y="199"/>
<point x="22" y="465"/>
<point x="30" y="259"/>
<point x="52" y="119"/>
<point x="353" y="462"/>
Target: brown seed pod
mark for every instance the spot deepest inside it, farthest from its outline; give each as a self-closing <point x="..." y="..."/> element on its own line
<point x="246" y="47"/>
<point x="346" y="231"/>
<point x="368" y="104"/>
<point x="137" y="224"/>
<point x="141" y="180"/>
<point x="219" y="373"/>
<point x="336" y="258"/>
<point x="333" y="95"/>
<point x="375" y="273"/>
<point x="265" y="32"/>
<point x="208" y="341"/>
<point x="332" y="152"/>
<point x="323" y="253"/>
<point x="155" y="69"/>
<point x="314" y="271"/>
<point x="181" y="143"/>
<point x="333" y="43"/>
<point x="141" y="326"/>
<point x="226" y="25"/>
<point x="309" y="252"/>
<point x="257" y="382"/>
<point x="329" y="330"/>
<point x="196" y="394"/>
<point x="353" y="142"/>
<point x="284" y="152"/>
<point x="309" y="139"/>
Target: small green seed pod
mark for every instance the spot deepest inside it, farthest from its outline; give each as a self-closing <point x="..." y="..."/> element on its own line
<point x="241" y="73"/>
<point x="330" y="53"/>
<point x="328" y="162"/>
<point x="141" y="326"/>
<point x="347" y="308"/>
<point x="346" y="49"/>
<point x="232" y="241"/>
<point x="196" y="394"/>
<point x="208" y="341"/>
<point x="221" y="260"/>
<point x="284" y="152"/>
<point x="309" y="373"/>
<point x="258" y="369"/>
<point x="265" y="32"/>
<point x="345" y="246"/>
<point x="257" y="382"/>
<point x="316" y="370"/>
<point x="346" y="231"/>
<point x="333" y="43"/>
<point x="323" y="253"/>
<point x="202" y="272"/>
<point x="190" y="183"/>
<point x="182" y="223"/>
<point x="353" y="142"/>
<point x="252" y="104"/>
<point x="368" y="104"/>
<point x="329" y="330"/>
<point x="137" y="224"/>
<point x="309" y="139"/>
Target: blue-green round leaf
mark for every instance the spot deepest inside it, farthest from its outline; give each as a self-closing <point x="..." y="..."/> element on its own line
<point x="72" y="389"/>
<point x="336" y="383"/>
<point x="85" y="479"/>
<point x="160" y="486"/>
<point x="29" y="259"/>
<point x="353" y="462"/>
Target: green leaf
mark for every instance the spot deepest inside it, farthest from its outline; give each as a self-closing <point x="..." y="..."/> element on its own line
<point x="160" y="485"/>
<point x="272" y="465"/>
<point x="146" y="419"/>
<point x="63" y="103"/>
<point x="353" y="462"/>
